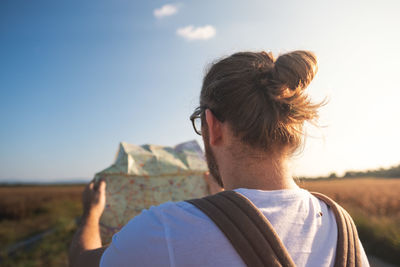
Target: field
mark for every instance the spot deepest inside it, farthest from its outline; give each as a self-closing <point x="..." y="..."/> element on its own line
<point x="26" y="211"/>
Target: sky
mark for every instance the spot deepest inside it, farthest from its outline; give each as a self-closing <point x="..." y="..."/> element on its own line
<point x="78" y="77"/>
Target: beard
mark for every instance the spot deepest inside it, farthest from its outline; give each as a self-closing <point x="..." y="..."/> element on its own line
<point x="211" y="161"/>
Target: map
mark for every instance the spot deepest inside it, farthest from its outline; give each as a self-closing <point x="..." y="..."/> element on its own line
<point x="148" y="175"/>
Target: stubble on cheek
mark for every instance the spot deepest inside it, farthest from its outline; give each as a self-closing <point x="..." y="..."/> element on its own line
<point x="211" y="161"/>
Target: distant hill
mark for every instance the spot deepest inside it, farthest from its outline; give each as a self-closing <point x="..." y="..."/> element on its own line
<point x="392" y="172"/>
<point x="40" y="182"/>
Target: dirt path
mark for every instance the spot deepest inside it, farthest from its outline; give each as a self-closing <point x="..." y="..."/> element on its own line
<point x="27" y="242"/>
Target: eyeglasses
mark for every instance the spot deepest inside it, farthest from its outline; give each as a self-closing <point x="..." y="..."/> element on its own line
<point x="197" y="119"/>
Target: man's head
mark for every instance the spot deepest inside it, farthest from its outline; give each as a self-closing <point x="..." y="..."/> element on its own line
<point x="259" y="99"/>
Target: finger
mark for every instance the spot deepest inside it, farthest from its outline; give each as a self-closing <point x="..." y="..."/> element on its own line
<point x="102" y="186"/>
<point x="91" y="185"/>
<point x="97" y="184"/>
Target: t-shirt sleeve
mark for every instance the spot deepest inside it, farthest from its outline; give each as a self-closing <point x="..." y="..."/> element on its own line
<point x="141" y="242"/>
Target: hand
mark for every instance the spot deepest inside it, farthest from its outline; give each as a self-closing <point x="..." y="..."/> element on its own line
<point x="94" y="199"/>
<point x="213" y="186"/>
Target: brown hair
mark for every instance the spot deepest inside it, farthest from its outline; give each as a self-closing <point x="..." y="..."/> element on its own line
<point x="261" y="98"/>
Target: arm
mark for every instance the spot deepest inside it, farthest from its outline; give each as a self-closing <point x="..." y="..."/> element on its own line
<point x="86" y="248"/>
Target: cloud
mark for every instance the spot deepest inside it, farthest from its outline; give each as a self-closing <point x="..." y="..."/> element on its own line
<point x="165" y="10"/>
<point x="196" y="33"/>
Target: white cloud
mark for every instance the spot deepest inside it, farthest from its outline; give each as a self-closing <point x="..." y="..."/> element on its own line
<point x="165" y="10"/>
<point x="196" y="33"/>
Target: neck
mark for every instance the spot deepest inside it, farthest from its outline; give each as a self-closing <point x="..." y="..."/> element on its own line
<point x="263" y="172"/>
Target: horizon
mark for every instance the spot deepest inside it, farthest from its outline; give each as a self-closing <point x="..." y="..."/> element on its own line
<point x="82" y="180"/>
<point x="79" y="78"/>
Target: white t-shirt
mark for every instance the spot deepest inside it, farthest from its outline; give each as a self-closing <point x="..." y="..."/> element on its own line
<point x="179" y="234"/>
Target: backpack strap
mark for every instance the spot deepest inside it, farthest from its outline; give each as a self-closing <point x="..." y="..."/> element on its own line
<point x="348" y="247"/>
<point x="256" y="241"/>
<point x="249" y="232"/>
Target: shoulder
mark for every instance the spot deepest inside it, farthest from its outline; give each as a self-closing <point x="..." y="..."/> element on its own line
<point x="143" y="234"/>
<point x="148" y="234"/>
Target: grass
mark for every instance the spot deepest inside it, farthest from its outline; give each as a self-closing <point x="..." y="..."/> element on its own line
<point x="24" y="211"/>
<point x="51" y="251"/>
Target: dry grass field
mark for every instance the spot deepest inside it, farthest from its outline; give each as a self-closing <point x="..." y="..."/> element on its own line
<point x="26" y="211"/>
<point x="374" y="197"/>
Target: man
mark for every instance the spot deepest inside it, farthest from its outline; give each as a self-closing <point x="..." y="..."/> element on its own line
<point x="251" y="114"/>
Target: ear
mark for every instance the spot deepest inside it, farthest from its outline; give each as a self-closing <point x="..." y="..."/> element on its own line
<point x="214" y="128"/>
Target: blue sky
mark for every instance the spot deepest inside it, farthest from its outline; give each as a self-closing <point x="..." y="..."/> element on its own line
<point x="78" y="77"/>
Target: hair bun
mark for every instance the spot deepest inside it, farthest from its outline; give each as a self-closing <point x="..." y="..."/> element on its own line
<point x="295" y="69"/>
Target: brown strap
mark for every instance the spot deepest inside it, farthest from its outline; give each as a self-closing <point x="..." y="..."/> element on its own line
<point x="356" y="243"/>
<point x="225" y="224"/>
<point x="348" y="248"/>
<point x="250" y="233"/>
<point x="256" y="241"/>
<point x="264" y="226"/>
